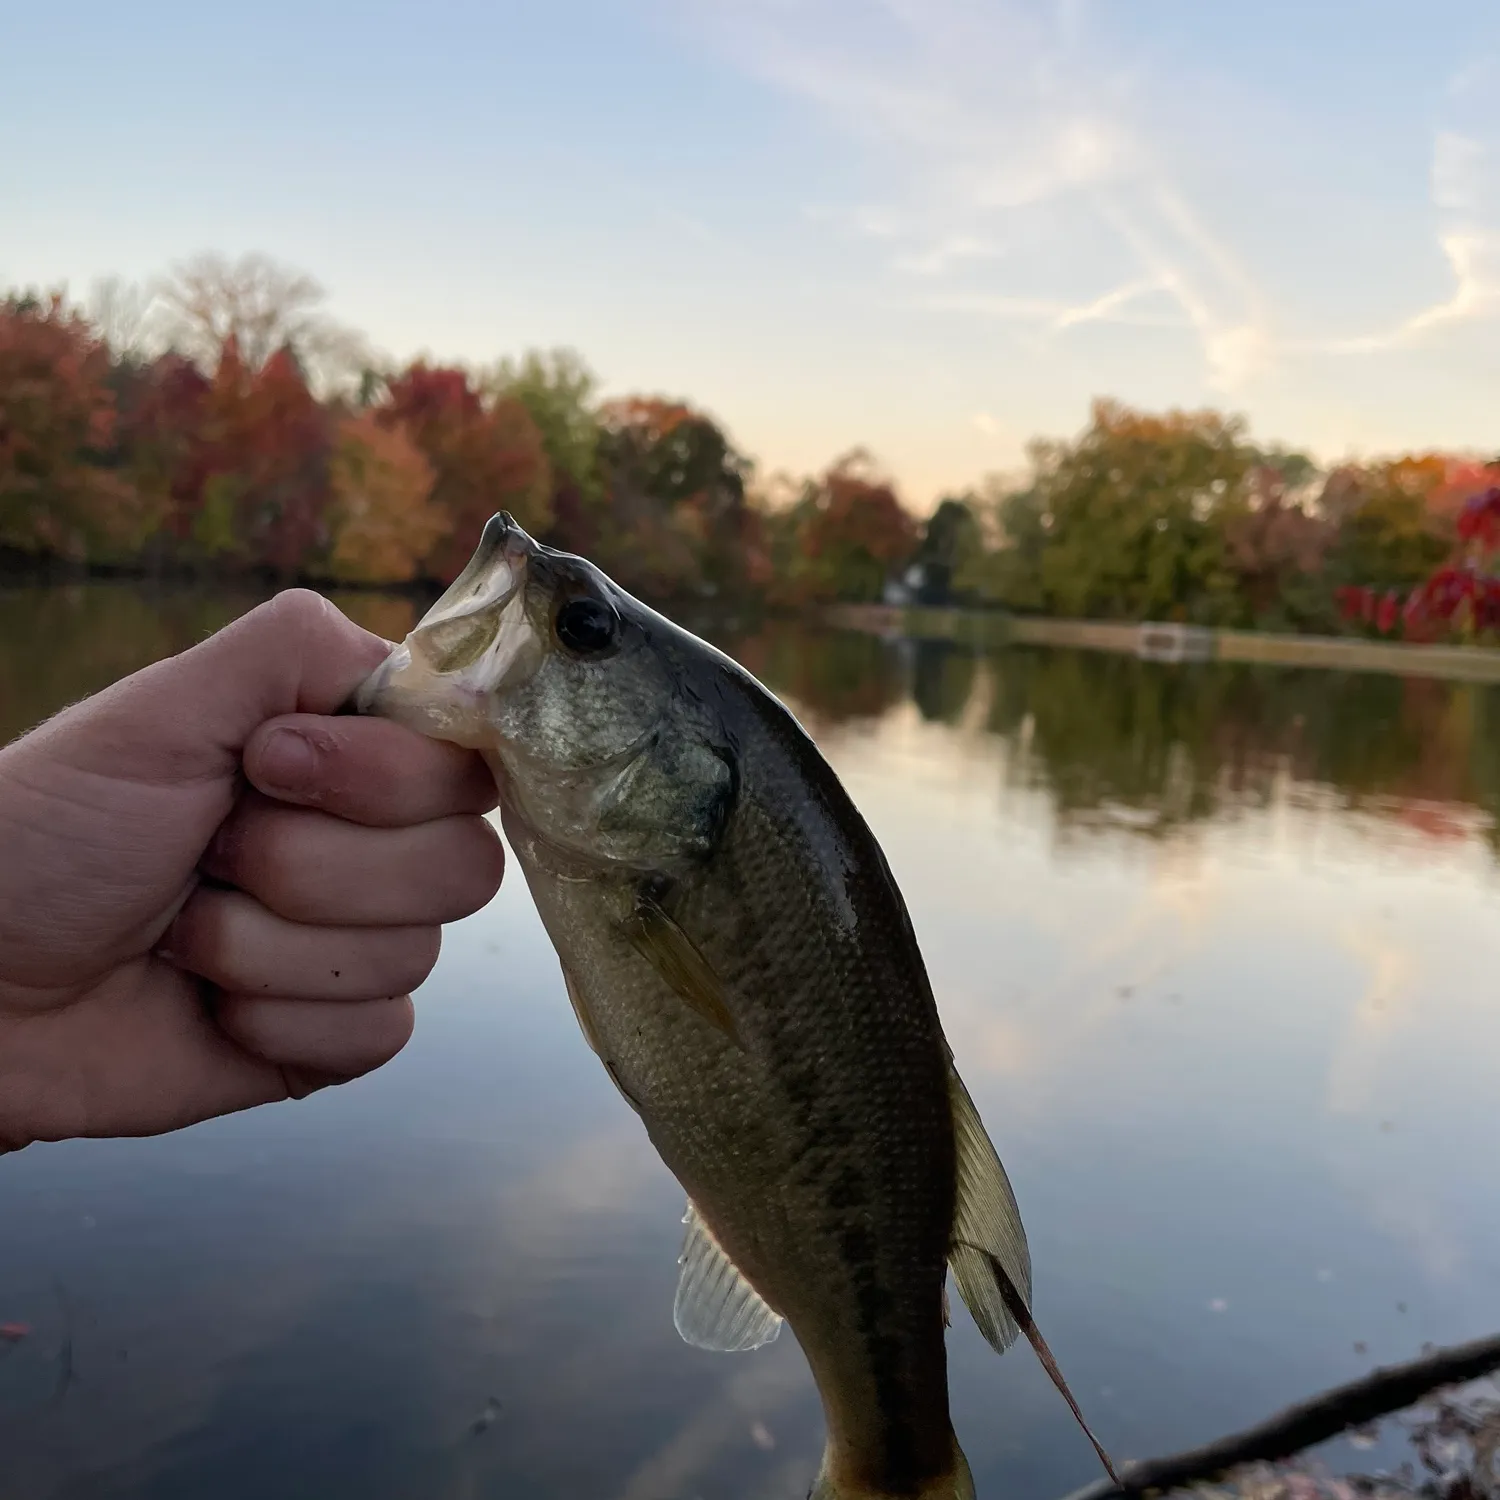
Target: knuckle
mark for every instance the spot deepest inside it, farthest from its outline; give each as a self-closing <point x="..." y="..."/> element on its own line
<point x="474" y="858"/>
<point x="259" y="852"/>
<point x="489" y="870"/>
<point x="200" y="940"/>
<point x="298" y="610"/>
<point x="415" y="958"/>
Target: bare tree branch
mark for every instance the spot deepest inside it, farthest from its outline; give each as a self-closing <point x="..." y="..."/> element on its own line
<point x="122" y="312"/>
<point x="263" y="306"/>
<point x="1387" y="1390"/>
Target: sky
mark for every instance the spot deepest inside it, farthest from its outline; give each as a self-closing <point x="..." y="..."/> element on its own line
<point x="934" y="228"/>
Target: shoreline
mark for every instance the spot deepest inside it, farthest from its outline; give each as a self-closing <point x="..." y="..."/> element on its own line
<point x="1156" y="641"/>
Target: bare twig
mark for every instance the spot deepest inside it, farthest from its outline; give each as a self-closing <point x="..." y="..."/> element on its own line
<point x="1387" y="1390"/>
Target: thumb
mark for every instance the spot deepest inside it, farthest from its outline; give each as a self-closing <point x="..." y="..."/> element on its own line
<point x="187" y="718"/>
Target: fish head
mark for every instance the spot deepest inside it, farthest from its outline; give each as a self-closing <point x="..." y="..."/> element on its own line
<point x="560" y="678"/>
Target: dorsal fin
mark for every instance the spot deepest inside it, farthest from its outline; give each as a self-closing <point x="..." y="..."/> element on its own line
<point x="716" y="1308"/>
<point x="986" y="1223"/>
<point x="988" y="1253"/>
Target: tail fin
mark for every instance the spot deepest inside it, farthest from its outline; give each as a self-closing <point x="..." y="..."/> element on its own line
<point x="957" y="1484"/>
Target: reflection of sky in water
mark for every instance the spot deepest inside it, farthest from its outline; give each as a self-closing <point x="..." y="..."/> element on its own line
<point x="1242" y="1074"/>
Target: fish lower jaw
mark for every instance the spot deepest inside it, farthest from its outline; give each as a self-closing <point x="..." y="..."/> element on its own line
<point x="406" y="691"/>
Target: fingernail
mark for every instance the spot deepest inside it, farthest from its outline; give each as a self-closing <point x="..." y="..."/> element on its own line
<point x="288" y="761"/>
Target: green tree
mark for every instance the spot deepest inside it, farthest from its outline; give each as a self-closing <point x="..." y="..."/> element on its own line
<point x="1391" y="523"/>
<point x="950" y="540"/>
<point x="1015" y="529"/>
<point x="677" y="520"/>
<point x="1132" y="505"/>
<point x="558" y="389"/>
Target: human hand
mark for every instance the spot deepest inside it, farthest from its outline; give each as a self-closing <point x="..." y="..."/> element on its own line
<point x="177" y="944"/>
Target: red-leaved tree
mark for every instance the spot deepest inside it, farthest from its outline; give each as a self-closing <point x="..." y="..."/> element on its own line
<point x="484" y="458"/>
<point x="1460" y="600"/>
<point x="59" y="492"/>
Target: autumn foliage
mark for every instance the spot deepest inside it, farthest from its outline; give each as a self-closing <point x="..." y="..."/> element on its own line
<point x="1460" y="599"/>
<point x="233" y="447"/>
<point x="484" y="457"/>
<point x="854" y="534"/>
<point x="59" y="493"/>
<point x="385" y="521"/>
<point x="244" y="432"/>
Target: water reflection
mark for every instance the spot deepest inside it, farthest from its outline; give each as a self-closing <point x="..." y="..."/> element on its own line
<point x="60" y="644"/>
<point x="1205" y="941"/>
<point x="1150" y="747"/>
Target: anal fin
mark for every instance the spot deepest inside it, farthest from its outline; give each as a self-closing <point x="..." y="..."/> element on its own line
<point x="716" y="1308"/>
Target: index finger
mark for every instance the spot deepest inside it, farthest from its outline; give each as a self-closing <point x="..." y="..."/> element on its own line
<point x="368" y="771"/>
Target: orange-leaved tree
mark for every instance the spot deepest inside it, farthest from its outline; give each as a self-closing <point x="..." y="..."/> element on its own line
<point x="855" y="533"/>
<point x="58" y="494"/>
<point x="485" y="457"/>
<point x="384" y="520"/>
<point x="1459" y="598"/>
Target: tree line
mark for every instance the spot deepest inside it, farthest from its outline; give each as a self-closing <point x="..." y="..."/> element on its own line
<point x="218" y="421"/>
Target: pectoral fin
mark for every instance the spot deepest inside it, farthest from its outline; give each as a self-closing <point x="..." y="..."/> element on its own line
<point x="674" y="955"/>
<point x="716" y="1307"/>
<point x="581" y="1012"/>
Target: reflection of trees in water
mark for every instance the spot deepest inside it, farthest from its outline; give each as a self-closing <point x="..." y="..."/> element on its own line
<point x="839" y="676"/>
<point x="942" y="680"/>
<point x="1181" y="743"/>
<point x="834" y="675"/>
<point x="388" y="615"/>
<point x="1102" y="730"/>
<point x="60" y="644"/>
<point x="1143" y="744"/>
<point x="1154" y="746"/>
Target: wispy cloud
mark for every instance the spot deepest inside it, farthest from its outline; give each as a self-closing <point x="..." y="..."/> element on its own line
<point x="1111" y="304"/>
<point x="1010" y="124"/>
<point x="946" y="255"/>
<point x="1465" y="190"/>
<point x="1020" y="123"/>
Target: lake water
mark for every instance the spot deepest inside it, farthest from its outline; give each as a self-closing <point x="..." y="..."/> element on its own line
<point x="1217" y="952"/>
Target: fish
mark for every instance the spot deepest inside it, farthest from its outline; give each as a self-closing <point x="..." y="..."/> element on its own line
<point x="737" y="953"/>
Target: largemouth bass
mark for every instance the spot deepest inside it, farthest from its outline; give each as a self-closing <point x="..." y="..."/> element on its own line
<point x="738" y="955"/>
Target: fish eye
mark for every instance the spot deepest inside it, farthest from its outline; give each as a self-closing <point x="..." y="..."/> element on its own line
<point x="587" y="626"/>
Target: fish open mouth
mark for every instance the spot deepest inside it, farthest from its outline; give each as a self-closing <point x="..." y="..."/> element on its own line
<point x="466" y="647"/>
